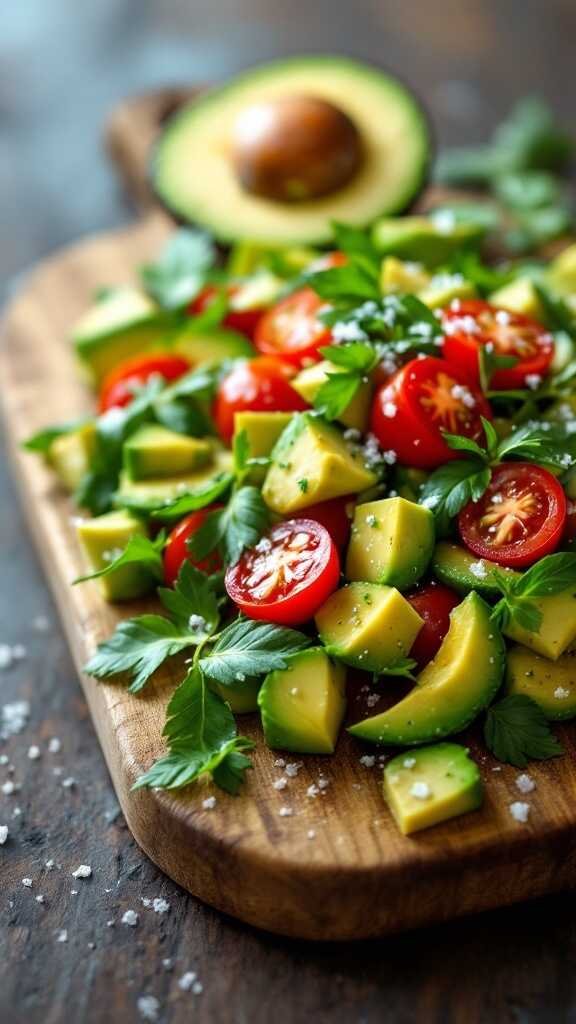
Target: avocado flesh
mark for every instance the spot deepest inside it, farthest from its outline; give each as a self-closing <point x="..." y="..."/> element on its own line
<point x="453" y="688"/>
<point x="211" y="345"/>
<point x="431" y="785"/>
<point x="102" y="540"/>
<point x="310" y="380"/>
<point x="557" y="630"/>
<point x="561" y="275"/>
<point x="519" y="296"/>
<point x="242" y="696"/>
<point x="70" y="455"/>
<point x="459" y="569"/>
<point x="311" y="462"/>
<point x="444" y="288"/>
<point x="391" y="542"/>
<point x="550" y="684"/>
<point x="367" y="625"/>
<point x="303" y="705"/>
<point x="149" y="495"/>
<point x="154" y="451"/>
<point x="423" y="239"/>
<point x="394" y="134"/>
<point x="262" y="431"/>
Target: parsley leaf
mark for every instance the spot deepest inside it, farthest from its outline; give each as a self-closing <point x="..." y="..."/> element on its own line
<point x="451" y="487"/>
<point x="516" y="731"/>
<point x="187" y="503"/>
<point x="335" y="393"/>
<point x="42" y="441"/>
<point x="180" y="272"/>
<point x="140" y="551"/>
<point x="356" y="355"/>
<point x="248" y="648"/>
<point x="231" y="529"/>
<point x="402" y="668"/>
<point x="191" y="599"/>
<point x="553" y="574"/>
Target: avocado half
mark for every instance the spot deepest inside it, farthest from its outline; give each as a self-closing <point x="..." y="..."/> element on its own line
<point x="194" y="175"/>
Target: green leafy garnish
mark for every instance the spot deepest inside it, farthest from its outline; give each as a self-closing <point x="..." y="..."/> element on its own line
<point x="44" y="439"/>
<point x="553" y="574"/>
<point x="139" y="551"/>
<point x="402" y="668"/>
<point x="247" y="648"/>
<point x="180" y="507"/>
<point x="180" y="272"/>
<point x="231" y="529"/>
<point x="516" y="731"/>
<point x="451" y="487"/>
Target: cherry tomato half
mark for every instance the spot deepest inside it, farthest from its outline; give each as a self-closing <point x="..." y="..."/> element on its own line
<point x="519" y="519"/>
<point x="118" y="386"/>
<point x="333" y="516"/>
<point x="472" y="324"/>
<point x="423" y="399"/>
<point x="243" y="320"/>
<point x="291" y="328"/>
<point x="433" y="602"/>
<point x="176" y="551"/>
<point x="288" y="575"/>
<point x="258" y="385"/>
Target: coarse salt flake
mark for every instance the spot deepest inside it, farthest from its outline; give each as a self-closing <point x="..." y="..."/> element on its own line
<point x="3" y="834"/>
<point x="420" y="790"/>
<point x="130" y="917"/>
<point x="209" y="803"/>
<point x="520" y="811"/>
<point x="82" y="871"/>
<point x="525" y="783"/>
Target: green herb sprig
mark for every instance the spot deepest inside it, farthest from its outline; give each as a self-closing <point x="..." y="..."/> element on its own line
<point x="516" y="732"/>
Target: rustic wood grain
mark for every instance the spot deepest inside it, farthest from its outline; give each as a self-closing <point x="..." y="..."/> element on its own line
<point x="358" y="877"/>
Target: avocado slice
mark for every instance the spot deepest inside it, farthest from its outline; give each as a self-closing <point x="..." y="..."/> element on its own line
<point x="103" y="539"/>
<point x="122" y="324"/>
<point x="155" y="451"/>
<point x="242" y="696"/>
<point x="431" y="785"/>
<point x="520" y="296"/>
<point x="148" y="495"/>
<point x="392" y="541"/>
<point x="211" y="345"/>
<point x="424" y="239"/>
<point x="453" y="688"/>
<point x="194" y="174"/>
<point x="444" y="288"/>
<point x="303" y="705"/>
<point x="550" y="684"/>
<point x="367" y="625"/>
<point x="309" y="381"/>
<point x="311" y="462"/>
<point x="262" y="430"/>
<point x="397" y="276"/>
<point x="557" y="630"/>
<point x="459" y="569"/>
<point x="70" y="455"/>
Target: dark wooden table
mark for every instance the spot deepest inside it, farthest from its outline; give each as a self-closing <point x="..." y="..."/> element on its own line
<point x="60" y="70"/>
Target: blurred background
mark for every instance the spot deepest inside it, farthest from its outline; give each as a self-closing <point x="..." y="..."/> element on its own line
<point x="64" y="64"/>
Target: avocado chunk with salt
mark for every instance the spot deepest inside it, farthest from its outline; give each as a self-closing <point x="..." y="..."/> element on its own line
<point x="429" y="241"/>
<point x="398" y="276"/>
<point x="148" y="495"/>
<point x="70" y="455"/>
<point x="311" y="462"/>
<point x="444" y="288"/>
<point x="309" y="381"/>
<point x="103" y="539"/>
<point x="122" y="324"/>
<point x="155" y="451"/>
<point x="557" y="629"/>
<point x="431" y="785"/>
<point x="550" y="684"/>
<point x="452" y="689"/>
<point x="211" y="345"/>
<point x="368" y="626"/>
<point x="392" y="542"/>
<point x="459" y="569"/>
<point x="242" y="695"/>
<point x="303" y="705"/>
<point x="262" y="430"/>
<point x="520" y="296"/>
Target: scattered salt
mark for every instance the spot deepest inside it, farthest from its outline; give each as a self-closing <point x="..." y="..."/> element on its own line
<point x="33" y="753"/>
<point x="520" y="811"/>
<point x="54" y="745"/>
<point x="420" y="790"/>
<point x="561" y="694"/>
<point x="285" y="812"/>
<point x="82" y="871"/>
<point x="160" y="906"/>
<point x="27" y="882"/>
<point x="209" y="803"/>
<point x="148" y="1007"/>
<point x="130" y="917"/>
<point x="368" y="760"/>
<point x="525" y="783"/>
<point x="3" y="834"/>
<point x="187" y="980"/>
<point x="280" y="783"/>
<point x="62" y="935"/>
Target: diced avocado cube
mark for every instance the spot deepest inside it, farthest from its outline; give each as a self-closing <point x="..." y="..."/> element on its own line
<point x="155" y="451"/>
<point x="242" y="696"/>
<point x="123" y="324"/>
<point x="397" y="276"/>
<point x="453" y="688"/>
<point x="309" y="381"/>
<point x="262" y="431"/>
<point x="211" y="345"/>
<point x="458" y="568"/>
<point x="444" y="288"/>
<point x="431" y="785"/>
<point x="429" y="241"/>
<point x="258" y="291"/>
<point x="557" y="630"/>
<point x="561" y="274"/>
<point x="103" y="539"/>
<point x="367" y="625"/>
<point x="248" y="256"/>
<point x="392" y="542"/>
<point x="70" y="455"/>
<point x="550" y="684"/>
<point x="312" y="462"/>
<point x="520" y="296"/>
<point x="303" y="705"/>
<point x="148" y="495"/>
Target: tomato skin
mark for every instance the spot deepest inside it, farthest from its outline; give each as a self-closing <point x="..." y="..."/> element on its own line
<point x="286" y="602"/>
<point x="117" y="387"/>
<point x="176" y="551"/>
<point x="333" y="516"/>
<point x="243" y="320"/>
<point x="516" y="335"/>
<point x="433" y="602"/>
<point x="530" y="500"/>
<point x="401" y="419"/>
<point x="291" y="328"/>
<point x="257" y="385"/>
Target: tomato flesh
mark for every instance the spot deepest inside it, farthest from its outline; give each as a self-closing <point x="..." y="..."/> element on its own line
<point x="292" y="329"/>
<point x="177" y="552"/>
<point x="433" y="602"/>
<point x="422" y="400"/>
<point x="288" y="575"/>
<point x="257" y="385"/>
<point x="519" y="519"/>
<point x="120" y="384"/>
<point x="333" y="516"/>
<point x="470" y="325"/>
<point x="243" y="320"/>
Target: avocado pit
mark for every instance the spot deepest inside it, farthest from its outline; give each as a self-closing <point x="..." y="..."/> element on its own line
<point x="295" y="148"/>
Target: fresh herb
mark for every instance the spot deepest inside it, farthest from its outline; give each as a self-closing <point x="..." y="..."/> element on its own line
<point x="358" y="279"/>
<point x="182" y="506"/>
<point x="44" y="439"/>
<point x="402" y="668"/>
<point x="516" y="731"/>
<point x="489" y="361"/>
<point x="231" y="529"/>
<point x="247" y="648"/>
<point x="141" y="552"/>
<point x="553" y="574"/>
<point x="180" y="272"/>
<point x="451" y="487"/>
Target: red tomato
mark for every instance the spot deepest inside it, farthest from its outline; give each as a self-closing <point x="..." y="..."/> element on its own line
<point x="243" y="320"/>
<point x="333" y="516"/>
<point x="469" y="325"/>
<point x="433" y="602"/>
<point x="519" y="519"/>
<point x="259" y="385"/>
<point x="118" y="385"/>
<point x="176" y="551"/>
<point x="288" y="575"/>
<point x="423" y="399"/>
<point x="291" y="328"/>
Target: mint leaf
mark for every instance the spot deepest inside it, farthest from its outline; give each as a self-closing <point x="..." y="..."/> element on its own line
<point x="140" y="551"/>
<point x="180" y="272"/>
<point x="248" y="648"/>
<point x="516" y="731"/>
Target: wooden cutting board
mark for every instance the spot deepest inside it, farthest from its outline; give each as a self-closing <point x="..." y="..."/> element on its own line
<point x="336" y="866"/>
